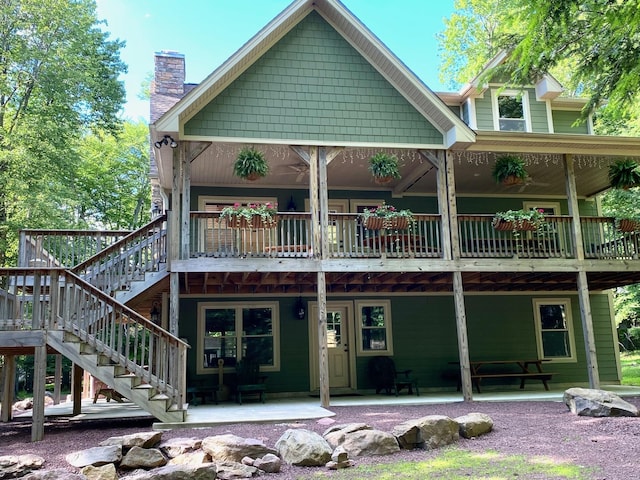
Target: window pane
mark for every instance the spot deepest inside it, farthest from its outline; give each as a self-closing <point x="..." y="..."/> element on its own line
<point x="257" y="335"/>
<point x="553" y="317"/>
<point x="374" y="339"/>
<point x="510" y="107"/>
<point x="334" y="329"/>
<point x="512" y="125"/>
<point x="556" y="344"/>
<point x="373" y="316"/>
<point x="258" y="349"/>
<point x="257" y="321"/>
<point x="220" y="337"/>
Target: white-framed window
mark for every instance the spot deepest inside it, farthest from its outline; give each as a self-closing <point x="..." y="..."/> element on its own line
<point x="373" y="327"/>
<point x="511" y="110"/>
<point x="233" y="331"/>
<point x="554" y="329"/>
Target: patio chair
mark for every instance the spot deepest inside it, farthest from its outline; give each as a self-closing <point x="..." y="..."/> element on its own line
<point x="383" y="374"/>
<point x="249" y="380"/>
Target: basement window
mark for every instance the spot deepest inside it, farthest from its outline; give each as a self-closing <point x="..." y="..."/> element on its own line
<point x="231" y="332"/>
<point x="554" y="329"/>
<point x="373" y="327"/>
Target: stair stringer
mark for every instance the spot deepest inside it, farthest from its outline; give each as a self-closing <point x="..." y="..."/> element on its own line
<point x="138" y="287"/>
<point x="126" y="384"/>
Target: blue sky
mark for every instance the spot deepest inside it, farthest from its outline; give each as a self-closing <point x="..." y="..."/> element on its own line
<point x="207" y="32"/>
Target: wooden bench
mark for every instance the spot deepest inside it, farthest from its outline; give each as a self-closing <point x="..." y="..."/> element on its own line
<point x="479" y="371"/>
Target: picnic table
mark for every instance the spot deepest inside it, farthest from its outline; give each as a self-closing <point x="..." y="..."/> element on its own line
<point x="522" y="369"/>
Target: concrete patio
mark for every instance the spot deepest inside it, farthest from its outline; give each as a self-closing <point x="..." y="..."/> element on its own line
<point x="293" y="409"/>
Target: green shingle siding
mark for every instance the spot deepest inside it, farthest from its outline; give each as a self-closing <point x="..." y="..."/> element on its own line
<point x="313" y="85"/>
<point x="563" y="122"/>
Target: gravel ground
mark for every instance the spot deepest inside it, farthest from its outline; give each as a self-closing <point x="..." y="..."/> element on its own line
<point x="531" y="428"/>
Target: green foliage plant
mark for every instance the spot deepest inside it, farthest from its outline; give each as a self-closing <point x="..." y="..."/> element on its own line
<point x="389" y="217"/>
<point x="624" y="206"/>
<point x="266" y="214"/>
<point x="250" y="164"/>
<point x="509" y="170"/>
<point x="384" y="167"/>
<point x="630" y="366"/>
<point x="624" y="173"/>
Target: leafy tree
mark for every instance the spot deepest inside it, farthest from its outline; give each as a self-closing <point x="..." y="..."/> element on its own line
<point x="602" y="38"/>
<point x="113" y="179"/>
<point x="58" y="78"/>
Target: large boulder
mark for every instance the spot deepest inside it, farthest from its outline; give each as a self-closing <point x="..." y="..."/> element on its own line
<point x="303" y="448"/>
<point x="103" y="472"/>
<point x="232" y="448"/>
<point x="206" y="471"/>
<point x="232" y="470"/>
<point x="597" y="403"/>
<point x="14" y="466"/>
<point x="473" y="425"/>
<point x="336" y="434"/>
<point x="95" y="456"/>
<point x="370" y="442"/>
<point x="179" y="446"/>
<point x="57" y="474"/>
<point x="140" y="439"/>
<point x="432" y="431"/>
<point x="146" y="458"/>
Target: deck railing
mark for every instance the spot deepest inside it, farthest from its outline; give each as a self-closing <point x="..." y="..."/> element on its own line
<point x="603" y="240"/>
<point x="211" y="236"/>
<point x="478" y="238"/>
<point x="127" y="259"/>
<point x="64" y="248"/>
<point x="57" y="299"/>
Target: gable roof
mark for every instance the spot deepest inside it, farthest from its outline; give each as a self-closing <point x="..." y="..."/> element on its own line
<point x="455" y="131"/>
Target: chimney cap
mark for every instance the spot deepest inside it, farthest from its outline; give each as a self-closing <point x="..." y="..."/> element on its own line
<point x="169" y="53"/>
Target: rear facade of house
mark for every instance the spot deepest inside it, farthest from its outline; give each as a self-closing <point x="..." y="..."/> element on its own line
<point x="315" y="296"/>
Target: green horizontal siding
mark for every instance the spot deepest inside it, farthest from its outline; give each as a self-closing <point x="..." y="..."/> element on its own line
<point x="563" y="122"/>
<point x="538" y="112"/>
<point x="484" y="112"/>
<point x="313" y="85"/>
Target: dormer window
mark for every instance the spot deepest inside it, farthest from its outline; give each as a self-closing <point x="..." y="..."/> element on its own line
<point x="510" y="111"/>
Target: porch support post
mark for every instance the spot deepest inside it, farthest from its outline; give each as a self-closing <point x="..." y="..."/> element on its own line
<point x="39" y="376"/>
<point x="76" y="388"/>
<point x="443" y="204"/>
<point x="582" y="283"/>
<point x="319" y="202"/>
<point x="8" y="387"/>
<point x="186" y="201"/>
<point x="175" y="242"/>
<point x="57" y="385"/>
<point x="458" y="289"/>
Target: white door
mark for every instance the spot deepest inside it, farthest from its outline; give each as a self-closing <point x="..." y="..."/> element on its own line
<point x="338" y="346"/>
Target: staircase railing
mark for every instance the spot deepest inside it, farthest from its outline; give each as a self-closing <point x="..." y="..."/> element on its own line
<point x="64" y="248"/>
<point x="57" y="299"/>
<point x="128" y="259"/>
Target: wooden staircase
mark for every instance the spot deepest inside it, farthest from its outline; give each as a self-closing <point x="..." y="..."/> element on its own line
<point x="76" y="308"/>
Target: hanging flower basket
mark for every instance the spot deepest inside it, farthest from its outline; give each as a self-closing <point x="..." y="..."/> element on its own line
<point x="627" y="225"/>
<point x="512" y="180"/>
<point x="253" y="222"/>
<point x="382" y="180"/>
<point x="518" y="220"/>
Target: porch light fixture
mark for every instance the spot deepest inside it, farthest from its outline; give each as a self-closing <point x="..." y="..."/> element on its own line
<point x="155" y="314"/>
<point x="166" y="140"/>
<point x="300" y="309"/>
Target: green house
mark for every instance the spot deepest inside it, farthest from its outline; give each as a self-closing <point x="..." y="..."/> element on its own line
<point x="315" y="293"/>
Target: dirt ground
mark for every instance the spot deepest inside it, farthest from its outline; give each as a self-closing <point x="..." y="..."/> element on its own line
<point x="531" y="428"/>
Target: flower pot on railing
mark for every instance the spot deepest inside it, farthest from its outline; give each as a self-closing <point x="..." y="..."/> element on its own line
<point x="628" y="225"/>
<point x="504" y="225"/>
<point x="256" y="221"/>
<point x="378" y="223"/>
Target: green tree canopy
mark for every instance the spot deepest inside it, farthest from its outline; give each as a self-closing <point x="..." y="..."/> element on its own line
<point x="59" y="79"/>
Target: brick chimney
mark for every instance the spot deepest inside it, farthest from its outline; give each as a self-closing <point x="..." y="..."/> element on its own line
<point x="168" y="82"/>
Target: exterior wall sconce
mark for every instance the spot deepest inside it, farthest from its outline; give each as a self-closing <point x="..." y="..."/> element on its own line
<point x="166" y="140"/>
<point x="155" y="314"/>
<point x="300" y="309"/>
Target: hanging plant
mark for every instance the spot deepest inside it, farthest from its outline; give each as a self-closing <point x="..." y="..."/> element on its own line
<point x="509" y="170"/>
<point x="250" y="164"/>
<point x="624" y="173"/>
<point x="519" y="220"/>
<point x="384" y="167"/>
<point x="386" y="216"/>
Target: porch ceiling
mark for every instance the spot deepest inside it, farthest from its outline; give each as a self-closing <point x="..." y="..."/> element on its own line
<point x="352" y="283"/>
<point x="212" y="164"/>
